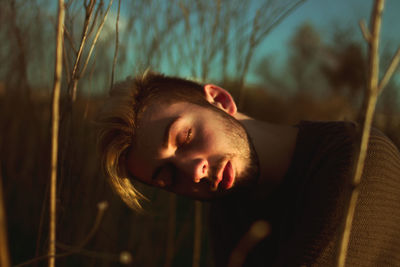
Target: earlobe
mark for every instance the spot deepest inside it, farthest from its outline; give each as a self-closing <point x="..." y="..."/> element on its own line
<point x="220" y="98"/>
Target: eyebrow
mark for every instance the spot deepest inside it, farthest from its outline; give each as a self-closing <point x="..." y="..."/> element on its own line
<point x="165" y="142"/>
<point x="167" y="132"/>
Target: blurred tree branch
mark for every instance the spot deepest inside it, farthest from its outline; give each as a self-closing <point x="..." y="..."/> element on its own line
<point x="88" y="14"/>
<point x="262" y="26"/>
<point x="75" y="74"/>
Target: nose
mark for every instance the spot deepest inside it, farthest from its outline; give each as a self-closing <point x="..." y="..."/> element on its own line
<point x="200" y="170"/>
<point x="196" y="169"/>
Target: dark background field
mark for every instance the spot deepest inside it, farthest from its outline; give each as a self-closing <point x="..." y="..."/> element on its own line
<point x="322" y="77"/>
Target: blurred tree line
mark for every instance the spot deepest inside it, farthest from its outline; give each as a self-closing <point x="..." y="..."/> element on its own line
<point x="206" y="40"/>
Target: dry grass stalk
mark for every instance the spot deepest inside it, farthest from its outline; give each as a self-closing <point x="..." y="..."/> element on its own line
<point x="170" y="246"/>
<point x="55" y="129"/>
<point x="4" y="256"/>
<point x="198" y="212"/>
<point x="373" y="90"/>
<point x="116" y="45"/>
<point x="88" y="14"/>
<point x="85" y="33"/>
<point x="102" y="206"/>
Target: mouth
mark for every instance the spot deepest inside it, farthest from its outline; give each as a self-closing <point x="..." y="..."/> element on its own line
<point x="226" y="177"/>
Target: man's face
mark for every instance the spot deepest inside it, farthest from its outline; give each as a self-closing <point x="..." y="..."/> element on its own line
<point x="191" y="150"/>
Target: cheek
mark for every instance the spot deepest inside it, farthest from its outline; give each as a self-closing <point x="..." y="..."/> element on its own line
<point x="139" y="167"/>
<point x="209" y="139"/>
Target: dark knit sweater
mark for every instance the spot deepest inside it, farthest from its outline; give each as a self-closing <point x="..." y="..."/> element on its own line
<point x="307" y="209"/>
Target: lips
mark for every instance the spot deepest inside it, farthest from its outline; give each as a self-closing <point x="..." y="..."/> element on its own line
<point x="227" y="178"/>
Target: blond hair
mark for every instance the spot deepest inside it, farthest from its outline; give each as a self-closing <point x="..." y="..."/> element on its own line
<point x="118" y="118"/>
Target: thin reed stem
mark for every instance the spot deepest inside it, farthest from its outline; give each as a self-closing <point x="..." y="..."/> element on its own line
<point x="116" y="45"/>
<point x="198" y="212"/>
<point x="170" y="246"/>
<point x="55" y="130"/>
<point x="4" y="254"/>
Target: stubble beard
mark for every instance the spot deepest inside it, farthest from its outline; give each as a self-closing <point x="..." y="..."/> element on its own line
<point x="244" y="151"/>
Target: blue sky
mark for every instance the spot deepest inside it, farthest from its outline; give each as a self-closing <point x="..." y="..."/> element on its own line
<point x="322" y="14"/>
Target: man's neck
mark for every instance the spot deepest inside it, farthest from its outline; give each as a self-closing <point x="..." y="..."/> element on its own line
<point x="274" y="145"/>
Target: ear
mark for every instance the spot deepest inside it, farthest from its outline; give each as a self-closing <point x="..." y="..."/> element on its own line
<point x="220" y="98"/>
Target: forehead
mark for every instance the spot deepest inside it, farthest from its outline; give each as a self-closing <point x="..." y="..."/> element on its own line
<point x="157" y="115"/>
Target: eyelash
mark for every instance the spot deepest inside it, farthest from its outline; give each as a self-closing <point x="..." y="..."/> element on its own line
<point x="188" y="137"/>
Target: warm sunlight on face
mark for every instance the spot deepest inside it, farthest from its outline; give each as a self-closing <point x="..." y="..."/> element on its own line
<point x="191" y="150"/>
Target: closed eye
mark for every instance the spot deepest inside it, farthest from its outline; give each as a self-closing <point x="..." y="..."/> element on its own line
<point x="185" y="138"/>
<point x="188" y="136"/>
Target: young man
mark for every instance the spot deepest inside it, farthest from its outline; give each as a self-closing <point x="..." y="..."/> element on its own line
<point x="190" y="139"/>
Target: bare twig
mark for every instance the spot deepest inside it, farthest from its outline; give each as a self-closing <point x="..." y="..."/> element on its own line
<point x="124" y="257"/>
<point x="390" y="70"/>
<point x="102" y="206"/>
<point x="257" y="35"/>
<point x="70" y="39"/>
<point x="197" y="233"/>
<point x="77" y="76"/>
<point x="265" y="31"/>
<point x="369" y="108"/>
<point x="365" y="31"/>
<point x="96" y="37"/>
<point x="247" y="60"/>
<point x="66" y="64"/>
<point x="96" y="15"/>
<point x="55" y="129"/>
<point x="258" y="231"/>
<point x="88" y="14"/>
<point x="116" y="46"/>
<point x="4" y="256"/>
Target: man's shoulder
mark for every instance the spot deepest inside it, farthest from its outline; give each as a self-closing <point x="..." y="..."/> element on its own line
<point x="321" y="137"/>
<point x="319" y="181"/>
